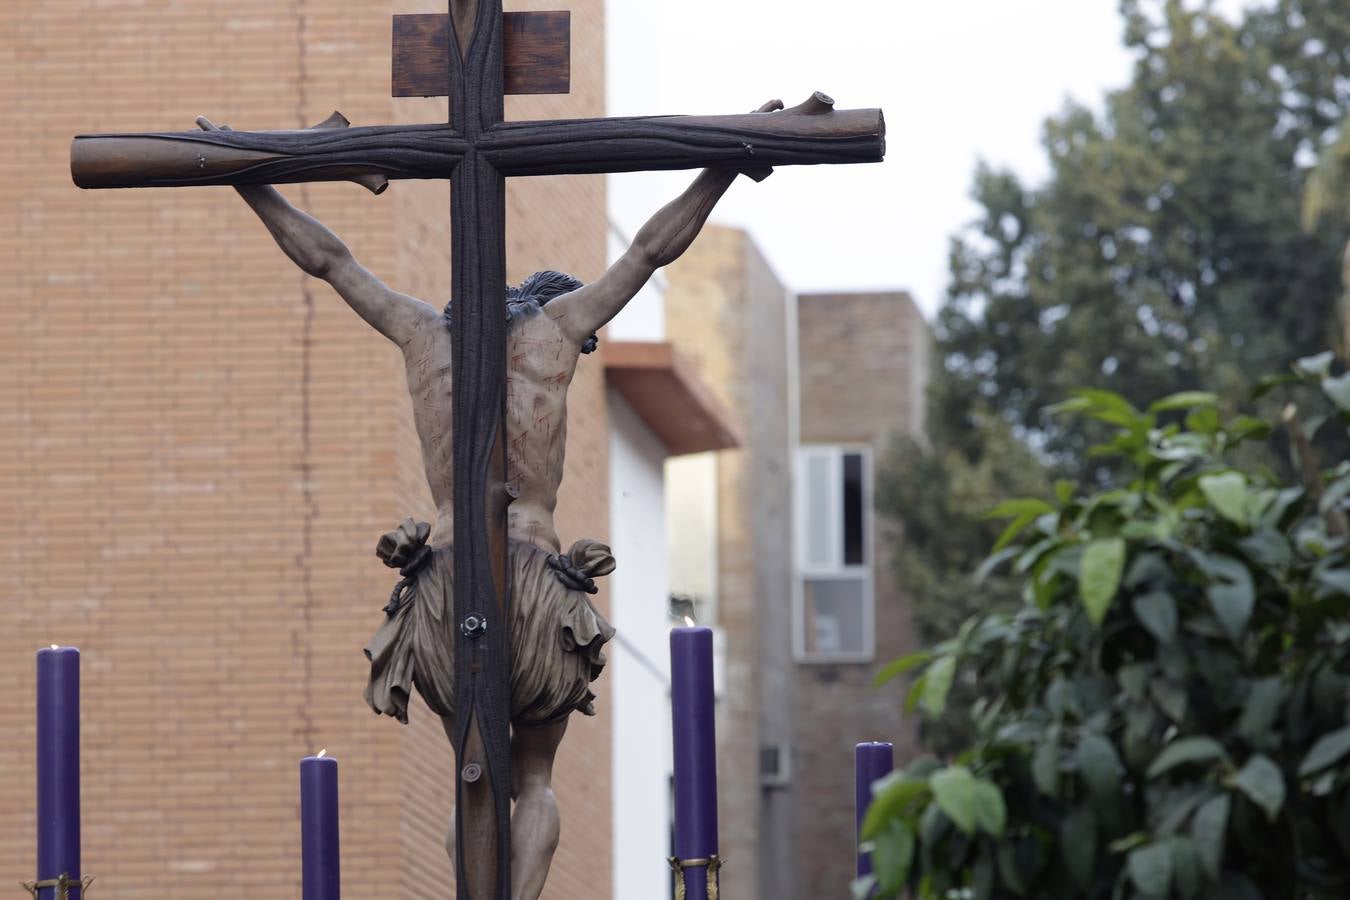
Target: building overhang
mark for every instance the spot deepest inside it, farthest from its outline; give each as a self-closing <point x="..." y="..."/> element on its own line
<point x="665" y="391"/>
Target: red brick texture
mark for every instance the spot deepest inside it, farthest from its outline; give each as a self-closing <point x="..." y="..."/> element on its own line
<point x="200" y="446"/>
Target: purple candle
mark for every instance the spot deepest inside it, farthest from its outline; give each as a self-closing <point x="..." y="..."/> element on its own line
<point x="320" y="867"/>
<point x="871" y="760"/>
<point x="695" y="738"/>
<point x="58" y="767"/>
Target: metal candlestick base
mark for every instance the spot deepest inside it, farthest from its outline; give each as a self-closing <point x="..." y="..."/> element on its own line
<point x="63" y="883"/>
<point x="712" y="863"/>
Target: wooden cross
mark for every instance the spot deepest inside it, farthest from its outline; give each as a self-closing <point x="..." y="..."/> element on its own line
<point x="475" y="55"/>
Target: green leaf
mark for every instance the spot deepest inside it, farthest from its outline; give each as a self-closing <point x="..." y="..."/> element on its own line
<point x="1243" y="428"/>
<point x="897" y="667"/>
<point x="1184" y="400"/>
<point x="991" y="813"/>
<point x="1227" y="493"/>
<point x="1261" y="709"/>
<point x="1234" y="596"/>
<point x="983" y="874"/>
<point x="938" y="684"/>
<point x="1072" y="405"/>
<point x="1338" y="389"/>
<point x="1078" y="845"/>
<point x="1334" y="493"/>
<point x="1045" y="768"/>
<point x="1263" y="783"/>
<point x="1016" y="509"/>
<point x="864" y="888"/>
<point x="1328" y="749"/>
<point x="1157" y="612"/>
<point x="1318" y="365"/>
<point x="1133" y="679"/>
<point x="992" y="562"/>
<point x="1108" y="406"/>
<point x="1099" y="765"/>
<point x="1185" y="867"/>
<point x="1150" y="869"/>
<point x="1209" y="829"/>
<point x="1204" y="420"/>
<point x="1064" y="491"/>
<point x="1009" y="870"/>
<point x="1270" y="383"/>
<point x="1170" y="697"/>
<point x="1099" y="576"/>
<point x="1335" y="581"/>
<point x="892" y="798"/>
<point x="1015" y="527"/>
<point x="954" y="790"/>
<point x="893" y="855"/>
<point x="916" y="691"/>
<point x="1186" y="750"/>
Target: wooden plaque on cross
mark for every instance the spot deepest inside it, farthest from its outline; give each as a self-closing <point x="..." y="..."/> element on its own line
<point x="475" y="55"/>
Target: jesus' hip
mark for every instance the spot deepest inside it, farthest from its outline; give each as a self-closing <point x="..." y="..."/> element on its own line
<point x="557" y="634"/>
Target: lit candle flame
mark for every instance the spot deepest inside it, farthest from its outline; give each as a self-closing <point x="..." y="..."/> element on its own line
<point x="688" y="621"/>
<point x="55" y="647"/>
<point x="323" y="752"/>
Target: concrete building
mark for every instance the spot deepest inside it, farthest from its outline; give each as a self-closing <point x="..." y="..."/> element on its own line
<point x="797" y="579"/>
<point x="862" y="370"/>
<point x="201" y="446"/>
<point x="659" y="413"/>
<point x="727" y="311"/>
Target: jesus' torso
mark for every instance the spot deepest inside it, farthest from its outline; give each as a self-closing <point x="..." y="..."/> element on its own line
<point x="540" y="362"/>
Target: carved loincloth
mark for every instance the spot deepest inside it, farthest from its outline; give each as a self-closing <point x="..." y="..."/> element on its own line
<point x="557" y="634"/>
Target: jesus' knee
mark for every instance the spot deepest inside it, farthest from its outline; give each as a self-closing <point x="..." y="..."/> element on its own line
<point x="450" y="839"/>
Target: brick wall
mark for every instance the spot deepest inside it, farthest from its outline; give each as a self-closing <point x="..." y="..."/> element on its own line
<point x="200" y="446"/>
<point x="863" y="362"/>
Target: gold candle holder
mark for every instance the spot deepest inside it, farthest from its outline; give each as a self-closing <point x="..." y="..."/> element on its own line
<point x="63" y="883"/>
<point x="712" y="863"/>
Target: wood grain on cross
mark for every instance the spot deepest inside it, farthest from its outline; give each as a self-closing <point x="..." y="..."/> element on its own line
<point x="475" y="54"/>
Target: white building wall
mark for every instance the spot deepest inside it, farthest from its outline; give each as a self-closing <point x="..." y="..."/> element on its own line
<point x="639" y="658"/>
<point x="691" y="523"/>
<point x="640" y="586"/>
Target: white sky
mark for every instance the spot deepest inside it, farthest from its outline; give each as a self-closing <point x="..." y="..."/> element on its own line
<point x="958" y="80"/>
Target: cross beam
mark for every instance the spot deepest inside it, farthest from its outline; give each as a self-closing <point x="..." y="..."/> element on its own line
<point x="808" y="134"/>
<point x="476" y="150"/>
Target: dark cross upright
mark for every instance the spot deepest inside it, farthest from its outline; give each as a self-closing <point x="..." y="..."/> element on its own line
<point x="476" y="54"/>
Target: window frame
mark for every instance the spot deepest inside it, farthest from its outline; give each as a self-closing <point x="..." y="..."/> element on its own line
<point x="802" y="570"/>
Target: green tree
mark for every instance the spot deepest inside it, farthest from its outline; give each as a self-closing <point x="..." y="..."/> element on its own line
<point x="943" y="488"/>
<point x="1166" y="249"/>
<point x="1165" y="716"/>
<point x="1326" y="195"/>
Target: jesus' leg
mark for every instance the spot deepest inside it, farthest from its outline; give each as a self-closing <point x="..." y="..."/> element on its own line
<point x="534" y="821"/>
<point x="449" y="725"/>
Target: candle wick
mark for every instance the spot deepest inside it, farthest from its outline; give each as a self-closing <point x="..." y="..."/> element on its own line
<point x="323" y="752"/>
<point x="688" y="621"/>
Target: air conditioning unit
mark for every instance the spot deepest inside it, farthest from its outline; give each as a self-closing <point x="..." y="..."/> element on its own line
<point x="775" y="765"/>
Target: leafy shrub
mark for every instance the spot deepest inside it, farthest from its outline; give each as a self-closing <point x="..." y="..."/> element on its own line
<point x="1168" y="713"/>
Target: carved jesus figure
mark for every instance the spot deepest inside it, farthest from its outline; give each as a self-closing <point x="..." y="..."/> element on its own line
<point x="556" y="633"/>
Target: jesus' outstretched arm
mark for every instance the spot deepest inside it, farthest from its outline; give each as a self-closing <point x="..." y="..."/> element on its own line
<point x="660" y="242"/>
<point x="322" y="254"/>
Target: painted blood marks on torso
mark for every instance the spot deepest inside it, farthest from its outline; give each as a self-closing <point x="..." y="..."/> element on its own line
<point x="540" y="364"/>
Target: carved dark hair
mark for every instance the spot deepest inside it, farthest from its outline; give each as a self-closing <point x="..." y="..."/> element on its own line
<point x="533" y="294"/>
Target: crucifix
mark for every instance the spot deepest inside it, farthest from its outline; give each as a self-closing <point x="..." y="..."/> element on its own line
<point x="493" y="473"/>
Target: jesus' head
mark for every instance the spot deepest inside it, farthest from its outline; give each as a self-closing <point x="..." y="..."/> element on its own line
<point x="533" y="294"/>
